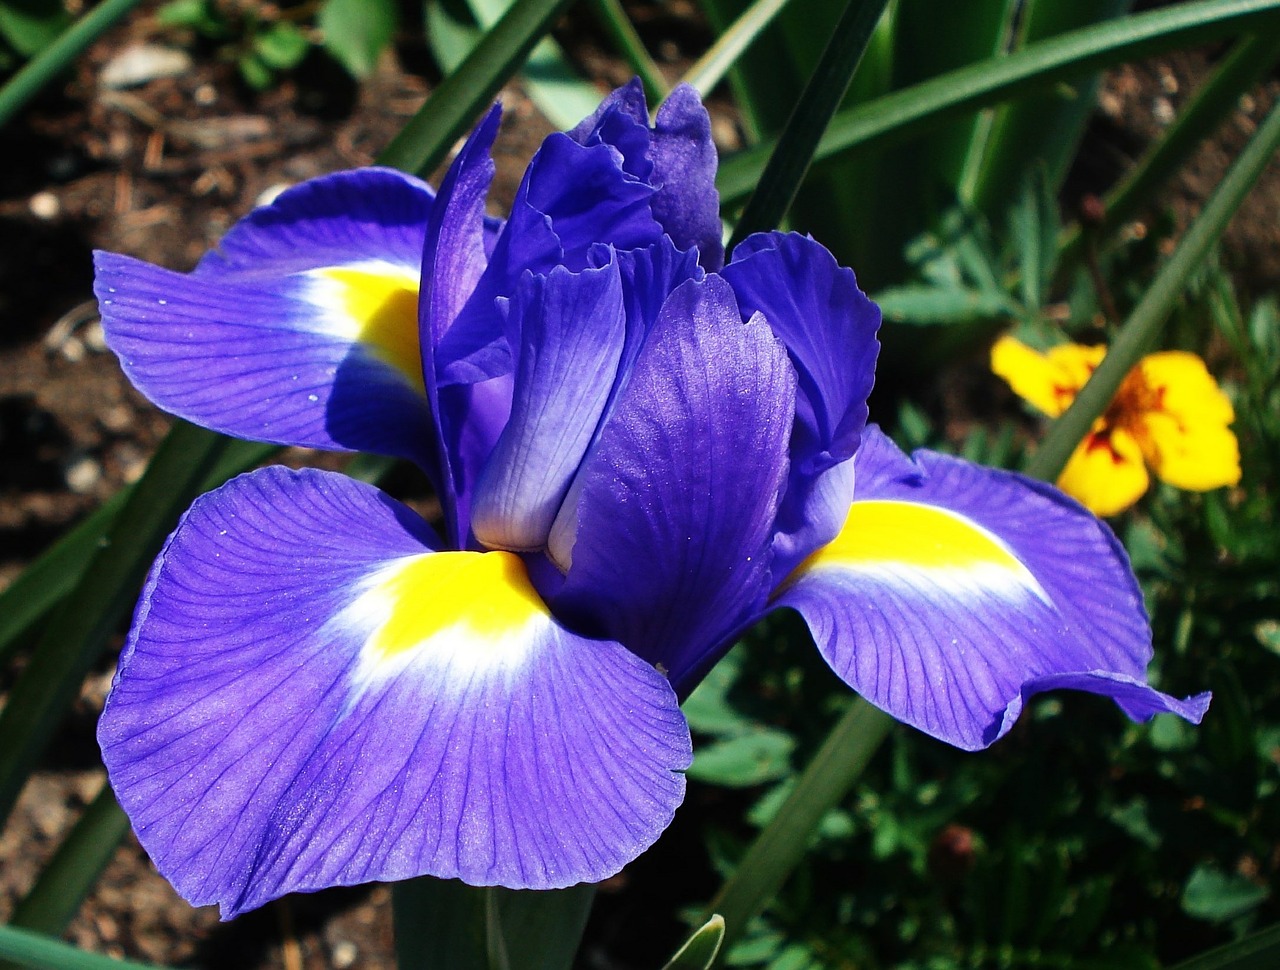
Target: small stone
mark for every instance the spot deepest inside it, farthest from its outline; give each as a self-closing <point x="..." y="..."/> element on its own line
<point x="1162" y="111"/>
<point x="117" y="418"/>
<point x="45" y="205"/>
<point x="343" y="955"/>
<point x="83" y="474"/>
<point x="94" y="338"/>
<point x="137" y="65"/>
<point x="72" y="349"/>
<point x="205" y="95"/>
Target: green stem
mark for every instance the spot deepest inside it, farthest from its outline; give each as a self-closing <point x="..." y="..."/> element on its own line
<point x="839" y="763"/>
<point x="619" y="27"/>
<point x="1212" y="104"/>
<point x="793" y="153"/>
<point x="59" y="55"/>
<point x="1143" y="326"/>
<point x="449" y="112"/>
<point x="712" y="66"/>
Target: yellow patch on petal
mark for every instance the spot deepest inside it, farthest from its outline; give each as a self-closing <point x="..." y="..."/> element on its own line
<point x="1183" y="427"/>
<point x="949" y="549"/>
<point x="380" y="302"/>
<point x="484" y="599"/>
<point x="1049" y="382"/>
<point x="1105" y="473"/>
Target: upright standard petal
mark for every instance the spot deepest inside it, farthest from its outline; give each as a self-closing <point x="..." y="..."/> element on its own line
<point x="684" y="172"/>
<point x="954" y="592"/>
<point x="569" y="329"/>
<point x="311" y="696"/>
<point x="829" y="327"/>
<point x="300" y="330"/>
<point x="670" y="554"/>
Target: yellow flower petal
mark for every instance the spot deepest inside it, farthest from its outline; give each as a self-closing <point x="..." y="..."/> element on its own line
<point x="1105" y="473"/>
<point x="1183" y="429"/>
<point x="1049" y="382"/>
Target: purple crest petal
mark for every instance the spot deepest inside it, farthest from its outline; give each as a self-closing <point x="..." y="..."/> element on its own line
<point x="622" y="120"/>
<point x="954" y="592"/>
<point x="570" y="329"/>
<point x="311" y="697"/>
<point x="684" y="171"/>
<point x="829" y="326"/>
<point x="675" y="511"/>
<point x="572" y="199"/>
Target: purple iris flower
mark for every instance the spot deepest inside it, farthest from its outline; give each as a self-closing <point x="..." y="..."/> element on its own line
<point x="639" y="452"/>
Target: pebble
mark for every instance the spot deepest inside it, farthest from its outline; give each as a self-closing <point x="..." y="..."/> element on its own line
<point x="1162" y="110"/>
<point x="83" y="474"/>
<point x="45" y="205"/>
<point x="94" y="338"/>
<point x="344" y="955"/>
<point x="271" y="193"/>
<point x="135" y="66"/>
<point x="72" y="349"/>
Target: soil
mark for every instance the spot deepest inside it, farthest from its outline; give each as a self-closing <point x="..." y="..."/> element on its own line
<point x="160" y="171"/>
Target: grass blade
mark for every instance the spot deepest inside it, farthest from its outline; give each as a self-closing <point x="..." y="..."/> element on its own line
<point x="451" y="109"/>
<point x="1258" y="951"/>
<point x="839" y="763"/>
<point x="59" y="55"/>
<point x="979" y="85"/>
<point x="65" y="882"/>
<point x="619" y="27"/>
<point x="1143" y="325"/>
<point x="28" y="949"/>
<point x="794" y="150"/>
<point x="712" y="66"/>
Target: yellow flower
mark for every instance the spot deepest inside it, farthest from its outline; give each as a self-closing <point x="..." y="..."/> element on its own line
<point x="1169" y="415"/>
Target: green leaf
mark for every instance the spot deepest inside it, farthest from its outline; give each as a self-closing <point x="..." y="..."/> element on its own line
<point x="28" y="949"/>
<point x="988" y="82"/>
<point x="194" y="15"/>
<point x="700" y="950"/>
<point x="31" y="25"/>
<point x="921" y="303"/>
<point x="452" y="108"/>
<point x="255" y="71"/>
<point x="282" y="46"/>
<point x="58" y="56"/>
<point x="356" y="32"/>
<point x="1217" y="896"/>
<point x="707" y="709"/>
<point x="66" y="881"/>
<point x="443" y="924"/>
<point x="760" y="755"/>
<point x="793" y="153"/>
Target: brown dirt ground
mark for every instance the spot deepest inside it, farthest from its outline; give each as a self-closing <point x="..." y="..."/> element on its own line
<point x="160" y="172"/>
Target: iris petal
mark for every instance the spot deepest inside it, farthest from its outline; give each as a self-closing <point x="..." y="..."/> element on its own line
<point x="829" y="327"/>
<point x="299" y="330"/>
<point x="671" y="552"/>
<point x="311" y="696"/>
<point x="684" y="172"/>
<point x="941" y="602"/>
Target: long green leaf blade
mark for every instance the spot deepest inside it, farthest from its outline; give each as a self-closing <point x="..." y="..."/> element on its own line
<point x="1143" y="325"/>
<point x="1258" y="951"/>
<point x="826" y="88"/>
<point x="913" y="109"/>
<point x="65" y="882"/>
<point x="451" y="109"/>
<point x="28" y="949"/>
<point x="59" y="55"/>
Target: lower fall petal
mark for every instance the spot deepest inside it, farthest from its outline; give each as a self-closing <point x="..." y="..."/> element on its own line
<point x="312" y="696"/>
<point x="956" y="591"/>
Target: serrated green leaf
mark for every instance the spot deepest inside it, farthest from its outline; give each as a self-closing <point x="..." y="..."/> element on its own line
<point x="760" y="755"/>
<point x="700" y="949"/>
<point x="921" y="303"/>
<point x="356" y="32"/>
